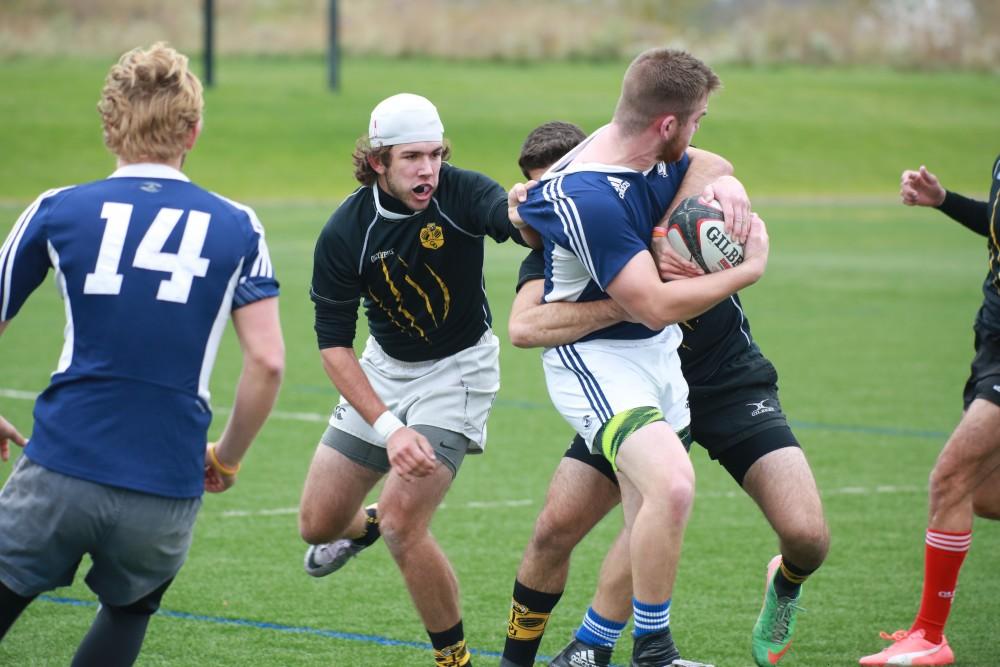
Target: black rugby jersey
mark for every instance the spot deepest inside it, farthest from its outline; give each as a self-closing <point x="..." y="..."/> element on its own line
<point x="983" y="218"/>
<point x="420" y="274"/>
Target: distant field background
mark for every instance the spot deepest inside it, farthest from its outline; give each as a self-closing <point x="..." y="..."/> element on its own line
<point x="866" y="310"/>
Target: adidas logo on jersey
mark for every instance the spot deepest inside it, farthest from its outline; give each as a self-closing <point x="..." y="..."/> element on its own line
<point x="619" y="185"/>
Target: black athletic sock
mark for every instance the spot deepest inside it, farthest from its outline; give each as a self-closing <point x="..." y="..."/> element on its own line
<point x="114" y="639"/>
<point x="449" y="647"/>
<point x="529" y="613"/>
<point x="11" y="606"/>
<point x="789" y="579"/>
<point x="372" y="531"/>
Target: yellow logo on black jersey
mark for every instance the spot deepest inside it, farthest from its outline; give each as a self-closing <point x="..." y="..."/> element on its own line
<point x="432" y="236"/>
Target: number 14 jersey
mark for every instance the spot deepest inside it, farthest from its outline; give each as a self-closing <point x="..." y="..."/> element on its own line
<point x="149" y="267"/>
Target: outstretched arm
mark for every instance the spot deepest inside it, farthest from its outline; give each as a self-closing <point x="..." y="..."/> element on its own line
<point x="259" y="332"/>
<point x="922" y="188"/>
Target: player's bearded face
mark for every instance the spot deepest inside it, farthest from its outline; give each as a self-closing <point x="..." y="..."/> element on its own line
<point x="412" y="174"/>
<point x="673" y="149"/>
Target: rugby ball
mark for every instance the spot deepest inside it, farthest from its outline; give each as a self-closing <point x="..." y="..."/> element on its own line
<point x="696" y="231"/>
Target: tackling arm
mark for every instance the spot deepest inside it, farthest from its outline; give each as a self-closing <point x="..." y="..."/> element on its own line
<point x="536" y="324"/>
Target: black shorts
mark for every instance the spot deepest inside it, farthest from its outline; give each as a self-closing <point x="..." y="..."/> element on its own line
<point x="737" y="419"/>
<point x="984" y="378"/>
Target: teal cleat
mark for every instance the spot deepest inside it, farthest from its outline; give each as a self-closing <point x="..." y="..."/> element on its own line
<point x="772" y="634"/>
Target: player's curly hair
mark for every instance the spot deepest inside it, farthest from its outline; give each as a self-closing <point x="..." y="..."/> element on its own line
<point x="547" y="143"/>
<point x="363" y="171"/>
<point x="662" y="81"/>
<point x="150" y="103"/>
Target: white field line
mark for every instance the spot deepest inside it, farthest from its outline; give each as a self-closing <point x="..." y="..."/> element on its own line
<point x="526" y="502"/>
<point x="474" y="504"/>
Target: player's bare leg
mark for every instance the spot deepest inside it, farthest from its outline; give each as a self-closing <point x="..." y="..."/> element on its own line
<point x="970" y="459"/>
<point x="577" y="499"/>
<point x="405" y="512"/>
<point x="334" y="490"/>
<point x="783" y="486"/>
<point x="657" y="486"/>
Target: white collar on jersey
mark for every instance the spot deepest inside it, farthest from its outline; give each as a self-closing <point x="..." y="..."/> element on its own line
<point x="563" y="166"/>
<point x="149" y="170"/>
<point x="386" y="213"/>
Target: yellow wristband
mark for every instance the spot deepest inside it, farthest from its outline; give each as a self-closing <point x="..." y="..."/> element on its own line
<point x="659" y="232"/>
<point x="217" y="464"/>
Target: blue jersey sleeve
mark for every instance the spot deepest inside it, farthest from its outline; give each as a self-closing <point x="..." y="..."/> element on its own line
<point x="597" y="223"/>
<point x="257" y="279"/>
<point x="24" y="257"/>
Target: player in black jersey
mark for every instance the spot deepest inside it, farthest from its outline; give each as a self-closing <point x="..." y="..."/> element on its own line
<point x="965" y="480"/>
<point x="409" y="244"/>
<point x="735" y="415"/>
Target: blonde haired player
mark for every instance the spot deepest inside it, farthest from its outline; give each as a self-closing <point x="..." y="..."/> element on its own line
<point x="117" y="461"/>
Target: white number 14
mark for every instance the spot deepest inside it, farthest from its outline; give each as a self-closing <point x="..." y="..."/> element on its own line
<point x="183" y="266"/>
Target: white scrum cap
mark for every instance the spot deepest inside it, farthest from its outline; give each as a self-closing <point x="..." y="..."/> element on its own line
<point x="404" y="119"/>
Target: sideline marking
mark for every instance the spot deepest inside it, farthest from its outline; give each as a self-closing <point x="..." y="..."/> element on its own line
<point x="278" y="627"/>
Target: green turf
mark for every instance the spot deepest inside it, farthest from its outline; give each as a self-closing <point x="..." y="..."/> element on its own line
<point x="865" y="309"/>
<point x="272" y="130"/>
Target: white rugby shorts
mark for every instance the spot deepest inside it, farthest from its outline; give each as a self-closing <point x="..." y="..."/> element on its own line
<point x="592" y="381"/>
<point x="453" y="393"/>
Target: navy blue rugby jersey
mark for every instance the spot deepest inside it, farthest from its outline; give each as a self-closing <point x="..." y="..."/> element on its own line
<point x="149" y="266"/>
<point x="593" y="220"/>
<point x="419" y="274"/>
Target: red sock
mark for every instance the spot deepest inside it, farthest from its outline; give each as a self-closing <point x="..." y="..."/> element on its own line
<point x="943" y="556"/>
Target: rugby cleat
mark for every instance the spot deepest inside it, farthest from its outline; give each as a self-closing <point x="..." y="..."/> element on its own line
<point x="324" y="559"/>
<point x="655" y="649"/>
<point x="581" y="654"/>
<point x="910" y="648"/>
<point x="772" y="634"/>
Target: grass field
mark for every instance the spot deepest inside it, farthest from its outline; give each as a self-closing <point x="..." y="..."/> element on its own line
<point x="866" y="310"/>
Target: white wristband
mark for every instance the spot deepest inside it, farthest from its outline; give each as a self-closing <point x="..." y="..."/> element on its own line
<point x="519" y="224"/>
<point x="387" y="424"/>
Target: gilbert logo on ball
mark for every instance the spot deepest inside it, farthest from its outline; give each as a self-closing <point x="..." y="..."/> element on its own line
<point x="696" y="230"/>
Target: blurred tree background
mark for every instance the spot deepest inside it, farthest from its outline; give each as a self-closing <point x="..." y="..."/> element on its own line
<point x="908" y="34"/>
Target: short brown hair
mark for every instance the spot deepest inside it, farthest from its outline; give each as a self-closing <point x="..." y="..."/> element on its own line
<point x="150" y="103"/>
<point x="547" y="143"/>
<point x="363" y="148"/>
<point x="662" y="81"/>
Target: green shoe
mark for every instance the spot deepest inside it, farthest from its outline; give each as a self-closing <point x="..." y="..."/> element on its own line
<point x="772" y="634"/>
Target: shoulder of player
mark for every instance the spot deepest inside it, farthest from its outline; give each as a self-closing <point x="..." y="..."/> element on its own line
<point x="458" y="182"/>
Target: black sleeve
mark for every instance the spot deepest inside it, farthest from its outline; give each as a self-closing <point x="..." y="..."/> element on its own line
<point x="532" y="268"/>
<point x="971" y="213"/>
<point x="485" y="201"/>
<point x="336" y="288"/>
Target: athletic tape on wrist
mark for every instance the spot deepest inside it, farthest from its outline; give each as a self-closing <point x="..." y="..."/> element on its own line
<point x="387" y="424"/>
